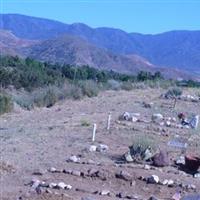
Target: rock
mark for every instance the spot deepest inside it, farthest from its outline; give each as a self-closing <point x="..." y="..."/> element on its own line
<point x="153" y="179"/>
<point x="54" y="170"/>
<point x="180" y="160"/>
<point x="74" y="159"/>
<point x="76" y="173"/>
<point x="157" y="117"/>
<point x="192" y="163"/>
<point x="161" y="159"/>
<point x="92" y="148"/>
<point x="168" y="123"/>
<point x="147" y="167"/>
<point x="53" y="185"/>
<point x="35" y="183"/>
<point x="105" y="192"/>
<point x="152" y="198"/>
<point x="197" y="175"/>
<point x="124" y="175"/>
<point x="170" y="183"/>
<point x="102" y="148"/>
<point x="128" y="157"/>
<point x="62" y="185"/>
<point x="165" y="182"/>
<point x="147" y="154"/>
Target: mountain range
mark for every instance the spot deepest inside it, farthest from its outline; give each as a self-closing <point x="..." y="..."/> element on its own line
<point x="173" y="52"/>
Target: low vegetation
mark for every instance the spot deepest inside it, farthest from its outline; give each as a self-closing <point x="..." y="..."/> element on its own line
<point x="42" y="84"/>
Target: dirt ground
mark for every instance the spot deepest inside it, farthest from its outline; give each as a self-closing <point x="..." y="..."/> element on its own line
<point x="34" y="141"/>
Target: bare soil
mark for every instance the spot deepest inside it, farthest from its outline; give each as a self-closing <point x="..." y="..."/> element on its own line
<point x="34" y="141"/>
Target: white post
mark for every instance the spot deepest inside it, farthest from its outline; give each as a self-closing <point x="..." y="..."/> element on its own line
<point x="94" y="132"/>
<point x="108" y="124"/>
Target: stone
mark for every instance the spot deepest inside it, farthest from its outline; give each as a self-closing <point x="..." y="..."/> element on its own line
<point x="165" y="182"/>
<point x="170" y="183"/>
<point x="197" y="175"/>
<point x="76" y="173"/>
<point x="180" y="160"/>
<point x="153" y="179"/>
<point x="157" y="117"/>
<point x="105" y="192"/>
<point x="102" y="148"/>
<point x="152" y="198"/>
<point x="176" y="196"/>
<point x="74" y="159"/>
<point x="124" y="175"/>
<point x="147" y="154"/>
<point x="128" y="157"/>
<point x="53" y="170"/>
<point x="53" y="185"/>
<point x="92" y="148"/>
<point x="161" y="159"/>
<point x="62" y="185"/>
<point x="147" y="167"/>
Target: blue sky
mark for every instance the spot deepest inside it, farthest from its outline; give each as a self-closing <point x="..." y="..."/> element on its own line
<point x="144" y="16"/>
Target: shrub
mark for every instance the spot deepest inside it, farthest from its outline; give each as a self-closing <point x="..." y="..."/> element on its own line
<point x="89" y="88"/>
<point x="85" y="123"/>
<point x="127" y="86"/>
<point x="173" y="92"/>
<point x="6" y="103"/>
<point x="113" y="85"/>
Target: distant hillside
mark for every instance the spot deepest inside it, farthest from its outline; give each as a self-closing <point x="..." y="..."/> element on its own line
<point x="10" y="44"/>
<point x="76" y="51"/>
<point x="179" y="49"/>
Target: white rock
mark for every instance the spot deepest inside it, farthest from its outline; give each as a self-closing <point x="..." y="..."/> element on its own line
<point x="105" y="192"/>
<point x="52" y="169"/>
<point x="62" y="185"/>
<point x="153" y="179"/>
<point x="147" y="167"/>
<point x="128" y="157"/>
<point x="102" y="148"/>
<point x="170" y="183"/>
<point x="53" y="185"/>
<point x="68" y="187"/>
<point x="157" y="117"/>
<point x="92" y="148"/>
<point x="74" y="159"/>
<point x="165" y="182"/>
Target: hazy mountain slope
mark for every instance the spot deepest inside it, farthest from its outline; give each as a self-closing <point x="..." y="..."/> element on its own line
<point x="12" y="45"/>
<point x="179" y="49"/>
<point x="73" y="50"/>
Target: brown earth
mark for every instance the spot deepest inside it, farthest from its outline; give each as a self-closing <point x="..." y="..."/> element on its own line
<point x="37" y="140"/>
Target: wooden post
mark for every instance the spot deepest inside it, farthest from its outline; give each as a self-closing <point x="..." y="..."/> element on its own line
<point x="108" y="123"/>
<point x="175" y="101"/>
<point x="94" y="132"/>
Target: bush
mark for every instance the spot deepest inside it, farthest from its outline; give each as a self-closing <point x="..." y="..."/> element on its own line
<point x="127" y="86"/>
<point x="6" y="103"/>
<point x="173" y="92"/>
<point x="113" y="85"/>
<point x="89" y="88"/>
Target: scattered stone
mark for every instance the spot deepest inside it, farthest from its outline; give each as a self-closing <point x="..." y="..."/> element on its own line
<point x="161" y="159"/>
<point x="152" y="198"/>
<point x="62" y="185"/>
<point x="176" y="196"/>
<point x="157" y="117"/>
<point x="147" y="154"/>
<point x="105" y="192"/>
<point x="102" y="148"/>
<point x="170" y="183"/>
<point x="54" y="170"/>
<point x="128" y="157"/>
<point x="93" y="148"/>
<point x="147" y="167"/>
<point x="153" y="179"/>
<point x="53" y="185"/>
<point x="74" y="159"/>
<point x="124" y="175"/>
<point x="87" y="198"/>
<point x="197" y="175"/>
<point x="76" y="173"/>
<point x="180" y="160"/>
